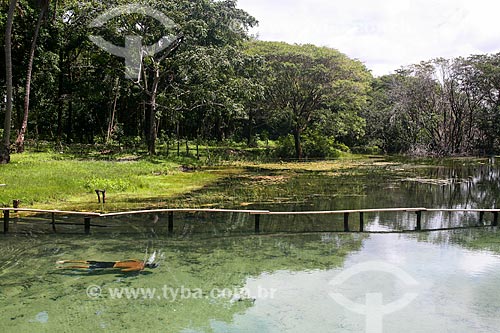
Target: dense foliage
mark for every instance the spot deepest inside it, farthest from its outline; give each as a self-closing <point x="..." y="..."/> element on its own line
<point x="216" y="83"/>
<point x="439" y="107"/>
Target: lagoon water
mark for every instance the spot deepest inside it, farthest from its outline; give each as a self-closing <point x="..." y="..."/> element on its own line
<point x="215" y="276"/>
<point x="457" y="292"/>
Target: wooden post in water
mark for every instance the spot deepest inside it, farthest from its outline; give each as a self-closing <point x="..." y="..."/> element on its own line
<point x="170" y="222"/>
<point x="54" y="222"/>
<point x="419" y="221"/>
<point x="346" y="222"/>
<point x="257" y="223"/>
<point x="481" y="218"/>
<point x="361" y="222"/>
<point x="87" y="225"/>
<point x="495" y="219"/>
<point x="15" y="204"/>
<point x="6" y="221"/>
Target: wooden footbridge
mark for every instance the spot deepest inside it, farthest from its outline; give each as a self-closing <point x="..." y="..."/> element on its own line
<point x="348" y="216"/>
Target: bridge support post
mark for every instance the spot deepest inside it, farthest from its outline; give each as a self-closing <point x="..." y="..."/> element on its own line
<point x="6" y="214"/>
<point x="257" y="223"/>
<point x="346" y="222"/>
<point x="419" y="221"/>
<point x="171" y="223"/>
<point x="495" y="219"/>
<point x="15" y="204"/>
<point x="361" y="222"/>
<point x="87" y="220"/>
<point x="53" y="222"/>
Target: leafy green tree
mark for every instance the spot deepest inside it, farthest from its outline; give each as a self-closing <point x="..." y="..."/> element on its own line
<point x="307" y="82"/>
<point x="208" y="31"/>
<point x="384" y="128"/>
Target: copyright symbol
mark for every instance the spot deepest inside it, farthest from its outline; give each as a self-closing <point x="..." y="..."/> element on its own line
<point x="94" y="291"/>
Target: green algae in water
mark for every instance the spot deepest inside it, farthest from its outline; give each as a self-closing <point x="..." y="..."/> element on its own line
<point x="30" y="284"/>
<point x="34" y="286"/>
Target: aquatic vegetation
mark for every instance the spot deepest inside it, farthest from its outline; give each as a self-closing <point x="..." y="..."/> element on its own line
<point x="210" y="251"/>
<point x="34" y="289"/>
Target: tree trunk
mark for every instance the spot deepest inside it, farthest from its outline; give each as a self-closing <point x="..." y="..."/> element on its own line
<point x="69" y="121"/>
<point x="151" y="132"/>
<point x="178" y="140"/>
<point x="198" y="147"/>
<point x="24" y="125"/>
<point x="111" y="123"/>
<point x="60" y="101"/>
<point x="251" y="142"/>
<point x="298" y="143"/>
<point x="5" y="147"/>
<point x="69" y="95"/>
<point x="168" y="146"/>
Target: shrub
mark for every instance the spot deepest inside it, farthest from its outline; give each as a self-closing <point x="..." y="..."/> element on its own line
<point x="116" y="185"/>
<point x="369" y="150"/>
<point x="285" y="147"/>
<point x="314" y="145"/>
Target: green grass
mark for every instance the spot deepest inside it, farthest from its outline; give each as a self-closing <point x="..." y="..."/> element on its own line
<point x="56" y="181"/>
<point x="67" y="179"/>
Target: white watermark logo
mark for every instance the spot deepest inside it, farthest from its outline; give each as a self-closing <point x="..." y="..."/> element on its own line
<point x="171" y="294"/>
<point x="134" y="51"/>
<point x="374" y="308"/>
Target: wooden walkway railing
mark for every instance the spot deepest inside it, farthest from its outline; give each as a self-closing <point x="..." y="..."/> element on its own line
<point x="87" y="216"/>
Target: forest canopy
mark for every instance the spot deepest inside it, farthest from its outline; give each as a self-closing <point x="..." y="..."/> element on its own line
<point x="216" y="82"/>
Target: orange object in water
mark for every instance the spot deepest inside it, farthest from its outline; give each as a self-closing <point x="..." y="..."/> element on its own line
<point x="131" y="265"/>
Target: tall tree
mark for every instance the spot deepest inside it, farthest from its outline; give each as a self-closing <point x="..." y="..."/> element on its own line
<point x="44" y="5"/>
<point x="5" y="147"/>
<point x="156" y="74"/>
<point x="306" y="81"/>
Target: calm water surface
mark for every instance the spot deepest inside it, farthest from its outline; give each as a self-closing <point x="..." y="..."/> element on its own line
<point x="286" y="277"/>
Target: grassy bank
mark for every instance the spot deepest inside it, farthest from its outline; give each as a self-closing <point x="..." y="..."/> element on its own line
<point x="51" y="180"/>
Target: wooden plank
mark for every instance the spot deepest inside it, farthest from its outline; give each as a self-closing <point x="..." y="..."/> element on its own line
<point x="356" y="211"/>
<point x="31" y="210"/>
<point x="251" y="212"/>
<point x="463" y="210"/>
<point x="187" y="210"/>
<point x="383" y="210"/>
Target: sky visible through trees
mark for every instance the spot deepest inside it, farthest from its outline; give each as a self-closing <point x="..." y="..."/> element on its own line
<point x="215" y="82"/>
